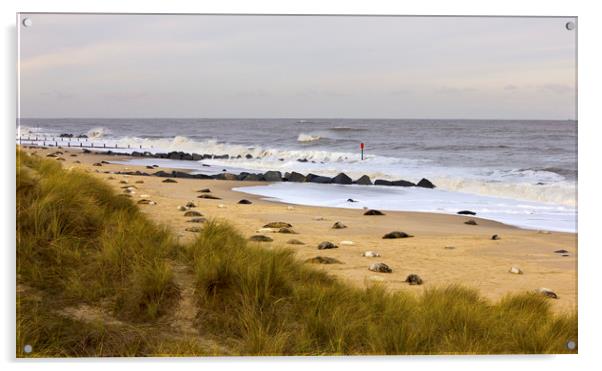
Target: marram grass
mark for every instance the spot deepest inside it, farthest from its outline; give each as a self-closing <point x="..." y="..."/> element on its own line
<point x="79" y="243"/>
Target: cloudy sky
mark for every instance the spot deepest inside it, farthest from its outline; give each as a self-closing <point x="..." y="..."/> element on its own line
<point x="285" y="66"/>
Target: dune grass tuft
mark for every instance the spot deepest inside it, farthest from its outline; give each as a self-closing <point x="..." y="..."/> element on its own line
<point x="265" y="302"/>
<point x="77" y="241"/>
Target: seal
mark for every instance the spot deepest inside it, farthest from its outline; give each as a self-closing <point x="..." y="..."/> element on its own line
<point x="547" y="293"/>
<point x="413" y="279"/>
<point x="327" y="245"/>
<point x="370" y="254"/>
<point x="380" y="267"/>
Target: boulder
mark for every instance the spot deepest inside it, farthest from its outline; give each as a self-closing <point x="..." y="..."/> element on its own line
<point x="175" y="155"/>
<point x="327" y="245"/>
<point x="278" y="225"/>
<point x="94" y="164"/>
<point x="181" y="174"/>
<point x="341" y="178"/>
<point x="273" y="176"/>
<point x="244" y="202"/>
<point x="202" y="176"/>
<point x="495" y="237"/>
<point x="470" y="222"/>
<point x="338" y="225"/>
<point x="260" y="238"/>
<point x="295" y="242"/>
<point x="296" y="177"/>
<point x="374" y="212"/>
<point x="204" y="190"/>
<point x="396" y="234"/>
<point x="466" y="212"/>
<point x="169" y="180"/>
<point x="181" y="208"/>
<point x="561" y="251"/>
<point x="380" y="267"/>
<point x="413" y="279"/>
<point x="225" y="176"/>
<point x="190" y="204"/>
<point x="197" y="220"/>
<point x="253" y="178"/>
<point x="425" y="183"/>
<point x="402" y="183"/>
<point x="162" y="173"/>
<point x="382" y="182"/>
<point x="313" y="178"/>
<point x="364" y="180"/>
<point x="323" y="260"/>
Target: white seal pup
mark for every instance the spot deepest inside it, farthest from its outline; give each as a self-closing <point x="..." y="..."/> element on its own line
<point x="515" y="270"/>
<point x="370" y="254"/>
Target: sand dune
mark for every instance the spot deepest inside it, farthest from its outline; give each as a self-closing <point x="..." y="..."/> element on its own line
<point x="475" y="260"/>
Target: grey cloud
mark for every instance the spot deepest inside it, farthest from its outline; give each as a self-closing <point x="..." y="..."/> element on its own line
<point x="218" y="66"/>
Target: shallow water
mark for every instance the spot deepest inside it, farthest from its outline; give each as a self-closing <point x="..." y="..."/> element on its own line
<point x="524" y="214"/>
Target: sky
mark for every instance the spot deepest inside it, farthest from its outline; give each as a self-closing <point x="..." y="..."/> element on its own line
<point x="197" y="66"/>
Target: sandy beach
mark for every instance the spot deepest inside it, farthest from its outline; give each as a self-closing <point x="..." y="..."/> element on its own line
<point x="443" y="250"/>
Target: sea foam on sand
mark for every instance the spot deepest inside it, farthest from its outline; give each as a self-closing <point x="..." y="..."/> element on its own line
<point x="524" y="214"/>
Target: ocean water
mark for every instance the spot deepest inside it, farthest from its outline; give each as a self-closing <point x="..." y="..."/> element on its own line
<point x="517" y="163"/>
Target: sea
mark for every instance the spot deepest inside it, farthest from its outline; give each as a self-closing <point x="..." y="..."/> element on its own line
<point x="519" y="172"/>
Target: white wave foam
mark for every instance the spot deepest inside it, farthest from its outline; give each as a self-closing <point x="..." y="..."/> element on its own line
<point x="98" y="133"/>
<point x="560" y="193"/>
<point x="308" y="138"/>
<point x="27" y="130"/>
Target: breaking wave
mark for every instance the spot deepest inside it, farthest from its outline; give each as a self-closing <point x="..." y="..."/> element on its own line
<point x="308" y="138"/>
<point x="98" y="133"/>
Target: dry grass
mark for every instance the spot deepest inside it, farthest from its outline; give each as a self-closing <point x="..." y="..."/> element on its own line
<point x="78" y="242"/>
<point x="266" y="302"/>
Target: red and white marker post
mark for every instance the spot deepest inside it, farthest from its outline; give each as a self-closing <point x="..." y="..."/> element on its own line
<point x="362" y="149"/>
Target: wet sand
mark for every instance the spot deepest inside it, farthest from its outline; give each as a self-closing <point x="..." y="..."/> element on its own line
<point x="475" y="260"/>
